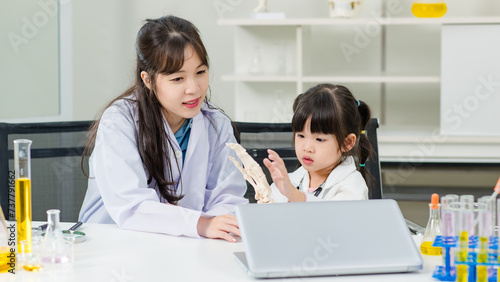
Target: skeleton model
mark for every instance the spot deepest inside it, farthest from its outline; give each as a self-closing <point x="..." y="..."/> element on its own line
<point x="252" y="172"/>
<point x="262" y="8"/>
<point x="344" y="8"/>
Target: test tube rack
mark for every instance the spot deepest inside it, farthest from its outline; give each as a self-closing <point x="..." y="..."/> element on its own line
<point x="448" y="272"/>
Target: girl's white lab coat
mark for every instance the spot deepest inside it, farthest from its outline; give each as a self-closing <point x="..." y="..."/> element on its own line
<point x="343" y="183"/>
<point x="118" y="191"/>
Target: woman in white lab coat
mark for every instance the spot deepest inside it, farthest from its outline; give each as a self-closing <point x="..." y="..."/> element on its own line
<point x="158" y="160"/>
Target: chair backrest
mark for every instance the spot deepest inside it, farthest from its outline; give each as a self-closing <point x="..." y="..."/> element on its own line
<point x="373" y="162"/>
<point x="256" y="138"/>
<point x="57" y="181"/>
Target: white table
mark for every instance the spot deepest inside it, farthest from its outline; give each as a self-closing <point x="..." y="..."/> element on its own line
<point x="113" y="254"/>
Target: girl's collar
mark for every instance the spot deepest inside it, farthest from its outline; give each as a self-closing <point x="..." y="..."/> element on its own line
<point x="316" y="191"/>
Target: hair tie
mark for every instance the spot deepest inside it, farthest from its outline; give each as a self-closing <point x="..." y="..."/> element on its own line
<point x="362" y="165"/>
<point x="358" y="102"/>
<point x="363" y="132"/>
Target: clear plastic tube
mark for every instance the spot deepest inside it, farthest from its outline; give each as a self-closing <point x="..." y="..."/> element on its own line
<point x="485" y="230"/>
<point x="465" y="230"/>
<point x="448" y="212"/>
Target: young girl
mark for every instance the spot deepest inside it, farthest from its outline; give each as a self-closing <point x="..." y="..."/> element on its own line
<point x="328" y="125"/>
<point x="159" y="159"/>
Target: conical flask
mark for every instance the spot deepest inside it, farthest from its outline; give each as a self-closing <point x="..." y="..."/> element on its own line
<point x="54" y="251"/>
<point x="432" y="229"/>
<point x="7" y="253"/>
<point x="22" y="166"/>
<point x="428" y="8"/>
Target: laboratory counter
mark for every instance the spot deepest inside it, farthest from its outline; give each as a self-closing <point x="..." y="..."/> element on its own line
<point x="113" y="254"/>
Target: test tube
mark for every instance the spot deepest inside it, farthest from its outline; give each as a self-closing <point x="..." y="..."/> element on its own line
<point x="466" y="229"/>
<point x="22" y="166"/>
<point x="454" y="199"/>
<point x="448" y="230"/>
<point x="491" y="206"/>
<point x="485" y="230"/>
<point x="448" y="215"/>
<point x="498" y="250"/>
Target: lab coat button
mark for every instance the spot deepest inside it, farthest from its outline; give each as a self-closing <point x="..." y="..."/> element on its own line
<point x="178" y="154"/>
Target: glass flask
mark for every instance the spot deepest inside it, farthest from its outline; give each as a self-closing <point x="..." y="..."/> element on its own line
<point x="54" y="251"/>
<point x="432" y="229"/>
<point x="256" y="62"/>
<point x="428" y="8"/>
<point x="22" y="166"/>
<point x="7" y="255"/>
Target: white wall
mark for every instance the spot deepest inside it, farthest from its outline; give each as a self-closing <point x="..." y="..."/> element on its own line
<point x="103" y="46"/>
<point x="104" y="52"/>
<point x="28" y="59"/>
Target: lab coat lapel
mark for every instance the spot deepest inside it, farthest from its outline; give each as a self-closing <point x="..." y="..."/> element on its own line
<point x="197" y="136"/>
<point x="195" y="165"/>
<point x="341" y="172"/>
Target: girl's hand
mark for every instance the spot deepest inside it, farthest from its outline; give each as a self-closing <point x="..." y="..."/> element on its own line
<point x="279" y="174"/>
<point x="218" y="227"/>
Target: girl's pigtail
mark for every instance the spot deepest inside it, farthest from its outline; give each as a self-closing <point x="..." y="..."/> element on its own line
<point x="365" y="148"/>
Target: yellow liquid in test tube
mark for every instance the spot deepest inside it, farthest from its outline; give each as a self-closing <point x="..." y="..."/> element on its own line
<point x="5" y="256"/>
<point x="462" y="273"/>
<point x="482" y="257"/>
<point x="426" y="248"/>
<point x="462" y="254"/>
<point x="428" y="10"/>
<point x="23" y="212"/>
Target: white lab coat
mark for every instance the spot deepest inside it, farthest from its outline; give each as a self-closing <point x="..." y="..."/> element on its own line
<point x="118" y="191"/>
<point x="343" y="183"/>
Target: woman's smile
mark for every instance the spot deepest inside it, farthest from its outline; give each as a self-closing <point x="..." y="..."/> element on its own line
<point x="192" y="103"/>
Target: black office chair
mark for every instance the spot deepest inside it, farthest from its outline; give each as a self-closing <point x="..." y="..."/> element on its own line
<point x="256" y="138"/>
<point x="57" y="181"/>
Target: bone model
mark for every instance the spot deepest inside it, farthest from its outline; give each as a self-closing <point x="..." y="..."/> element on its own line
<point x="252" y="172"/>
<point x="262" y="8"/>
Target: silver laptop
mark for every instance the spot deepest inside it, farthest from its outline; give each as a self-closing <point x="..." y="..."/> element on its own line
<point x="325" y="238"/>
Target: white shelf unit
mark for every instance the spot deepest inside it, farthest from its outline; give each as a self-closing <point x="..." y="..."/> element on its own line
<point x="255" y="99"/>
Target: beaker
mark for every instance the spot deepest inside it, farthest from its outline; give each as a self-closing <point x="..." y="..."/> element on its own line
<point x="428" y="8"/>
<point x="7" y="255"/>
<point x="22" y="166"/>
<point x="55" y="252"/>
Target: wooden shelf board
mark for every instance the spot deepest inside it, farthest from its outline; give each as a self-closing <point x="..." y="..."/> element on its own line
<point x="360" y="21"/>
<point x="340" y="78"/>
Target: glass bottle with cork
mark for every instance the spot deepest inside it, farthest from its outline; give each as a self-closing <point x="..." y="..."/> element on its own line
<point x="432" y="229"/>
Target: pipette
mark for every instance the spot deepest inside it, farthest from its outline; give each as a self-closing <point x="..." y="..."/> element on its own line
<point x="496" y="190"/>
<point x="492" y="197"/>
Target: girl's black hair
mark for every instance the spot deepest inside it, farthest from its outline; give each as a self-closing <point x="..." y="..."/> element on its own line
<point x="334" y="110"/>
